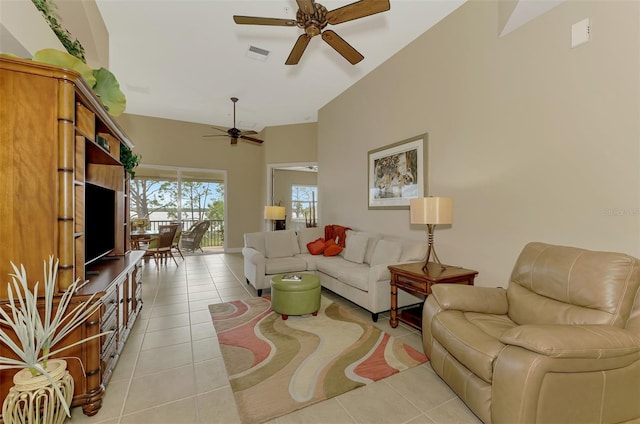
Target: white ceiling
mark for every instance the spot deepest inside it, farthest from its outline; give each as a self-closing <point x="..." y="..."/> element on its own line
<point x="184" y="59"/>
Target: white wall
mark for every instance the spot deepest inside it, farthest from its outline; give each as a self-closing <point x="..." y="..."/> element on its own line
<point x="533" y="140"/>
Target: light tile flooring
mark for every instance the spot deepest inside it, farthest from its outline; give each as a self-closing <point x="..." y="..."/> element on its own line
<point x="171" y="370"/>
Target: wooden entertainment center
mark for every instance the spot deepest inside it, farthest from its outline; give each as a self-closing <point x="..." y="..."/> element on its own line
<point x="64" y="192"/>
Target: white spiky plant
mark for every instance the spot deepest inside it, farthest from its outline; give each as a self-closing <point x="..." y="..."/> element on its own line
<point x="38" y="333"/>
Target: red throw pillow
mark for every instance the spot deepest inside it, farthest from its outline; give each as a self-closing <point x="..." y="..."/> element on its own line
<point x="332" y="250"/>
<point x="330" y="242"/>
<point x="316" y="247"/>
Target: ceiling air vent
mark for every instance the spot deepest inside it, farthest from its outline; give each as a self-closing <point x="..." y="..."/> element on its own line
<point x="257" y="53"/>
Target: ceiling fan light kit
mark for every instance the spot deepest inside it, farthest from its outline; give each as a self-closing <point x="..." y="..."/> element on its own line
<point x="234" y="133"/>
<point x="313" y="17"/>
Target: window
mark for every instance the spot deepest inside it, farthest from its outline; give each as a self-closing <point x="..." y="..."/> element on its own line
<point x="304" y="203"/>
<point x="163" y="195"/>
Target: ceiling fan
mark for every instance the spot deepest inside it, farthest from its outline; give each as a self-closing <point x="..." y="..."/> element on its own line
<point x="314" y="17"/>
<point x="234" y="133"/>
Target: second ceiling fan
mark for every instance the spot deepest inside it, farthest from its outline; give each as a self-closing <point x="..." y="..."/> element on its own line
<point x="234" y="133"/>
<point x="314" y="17"/>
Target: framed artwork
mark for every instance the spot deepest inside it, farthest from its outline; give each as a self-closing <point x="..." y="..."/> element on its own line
<point x="397" y="173"/>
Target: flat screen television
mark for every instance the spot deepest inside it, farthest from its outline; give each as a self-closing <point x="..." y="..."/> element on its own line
<point x="99" y="221"/>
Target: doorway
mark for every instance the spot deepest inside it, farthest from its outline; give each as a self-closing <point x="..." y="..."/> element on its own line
<point x="289" y="185"/>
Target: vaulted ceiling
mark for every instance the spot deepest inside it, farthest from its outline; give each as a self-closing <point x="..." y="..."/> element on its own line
<point x="185" y="59"/>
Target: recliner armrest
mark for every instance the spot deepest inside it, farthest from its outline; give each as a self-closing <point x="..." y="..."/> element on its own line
<point x="573" y="341"/>
<point x="458" y="297"/>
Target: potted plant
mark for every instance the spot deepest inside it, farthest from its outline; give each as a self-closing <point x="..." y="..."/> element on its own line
<point x="42" y="386"/>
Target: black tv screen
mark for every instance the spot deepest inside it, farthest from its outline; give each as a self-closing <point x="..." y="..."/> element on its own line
<point x="99" y="221"/>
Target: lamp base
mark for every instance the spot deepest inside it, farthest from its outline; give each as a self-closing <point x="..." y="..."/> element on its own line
<point x="431" y="248"/>
<point x="280" y="224"/>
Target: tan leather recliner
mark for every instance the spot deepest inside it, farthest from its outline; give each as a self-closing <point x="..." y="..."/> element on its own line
<point x="560" y="345"/>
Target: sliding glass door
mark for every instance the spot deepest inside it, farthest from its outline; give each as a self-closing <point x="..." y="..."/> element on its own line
<point x="160" y="195"/>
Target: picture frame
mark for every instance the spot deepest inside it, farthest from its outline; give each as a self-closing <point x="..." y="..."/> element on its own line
<point x="397" y="173"/>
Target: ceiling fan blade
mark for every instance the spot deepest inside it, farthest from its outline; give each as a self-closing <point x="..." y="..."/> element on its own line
<point x="250" y="132"/>
<point x="255" y="20"/>
<point x="342" y="47"/>
<point x="356" y="10"/>
<point x="306" y="6"/>
<point x="255" y="140"/>
<point x="216" y="135"/>
<point x="298" y="49"/>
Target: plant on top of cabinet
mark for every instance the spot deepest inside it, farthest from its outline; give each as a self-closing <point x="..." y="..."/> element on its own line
<point x="102" y="81"/>
<point x="74" y="47"/>
<point x="129" y="160"/>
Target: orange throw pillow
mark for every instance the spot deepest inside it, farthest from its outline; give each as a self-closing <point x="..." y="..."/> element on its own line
<point x="316" y="247"/>
<point x="332" y="250"/>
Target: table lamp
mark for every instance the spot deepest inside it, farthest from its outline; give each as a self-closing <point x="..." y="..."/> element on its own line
<point x="431" y="211"/>
<point x="277" y="214"/>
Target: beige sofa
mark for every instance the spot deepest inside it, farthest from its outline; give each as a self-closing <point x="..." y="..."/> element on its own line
<point x="560" y="345"/>
<point x="359" y="273"/>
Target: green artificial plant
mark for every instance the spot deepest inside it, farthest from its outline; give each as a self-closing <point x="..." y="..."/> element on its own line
<point x="101" y="81"/>
<point x="129" y="159"/>
<point x="64" y="59"/>
<point x="47" y="7"/>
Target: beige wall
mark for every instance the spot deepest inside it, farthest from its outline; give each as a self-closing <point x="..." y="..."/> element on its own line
<point x="291" y="143"/>
<point x="533" y="140"/>
<point x="23" y="30"/>
<point x="283" y="180"/>
<point x="84" y="21"/>
<point x="167" y="142"/>
<point x="175" y="143"/>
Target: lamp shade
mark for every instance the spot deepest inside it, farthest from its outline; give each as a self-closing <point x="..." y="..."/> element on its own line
<point x="275" y="212"/>
<point x="431" y="210"/>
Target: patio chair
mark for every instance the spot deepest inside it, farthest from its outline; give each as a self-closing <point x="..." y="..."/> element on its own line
<point x="190" y="240"/>
<point x="160" y="246"/>
<point x="175" y="245"/>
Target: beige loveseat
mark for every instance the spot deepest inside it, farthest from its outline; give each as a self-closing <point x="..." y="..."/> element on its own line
<point x="560" y="345"/>
<point x="359" y="273"/>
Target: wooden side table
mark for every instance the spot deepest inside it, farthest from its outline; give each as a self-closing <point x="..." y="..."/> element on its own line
<point x="411" y="278"/>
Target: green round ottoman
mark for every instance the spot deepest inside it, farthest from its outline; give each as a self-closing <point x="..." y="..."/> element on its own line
<point x="295" y="297"/>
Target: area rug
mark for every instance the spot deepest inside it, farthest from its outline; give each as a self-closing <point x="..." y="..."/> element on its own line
<point x="277" y="366"/>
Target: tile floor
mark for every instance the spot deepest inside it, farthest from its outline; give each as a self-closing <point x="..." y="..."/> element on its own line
<point x="171" y="370"/>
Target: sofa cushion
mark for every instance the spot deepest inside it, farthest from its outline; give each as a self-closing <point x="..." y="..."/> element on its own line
<point x="280" y="244"/>
<point x="386" y="252"/>
<point x="311" y="260"/>
<point x="288" y="264"/>
<point x="356" y="248"/>
<point x="413" y="251"/>
<point x="255" y="241"/>
<point x="307" y="235"/>
<point x="316" y="247"/>
<point x="372" y="240"/>
<point x="371" y="245"/>
<point x="350" y="273"/>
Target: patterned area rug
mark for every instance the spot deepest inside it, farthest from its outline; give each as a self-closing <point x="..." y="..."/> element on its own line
<point x="276" y="367"/>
